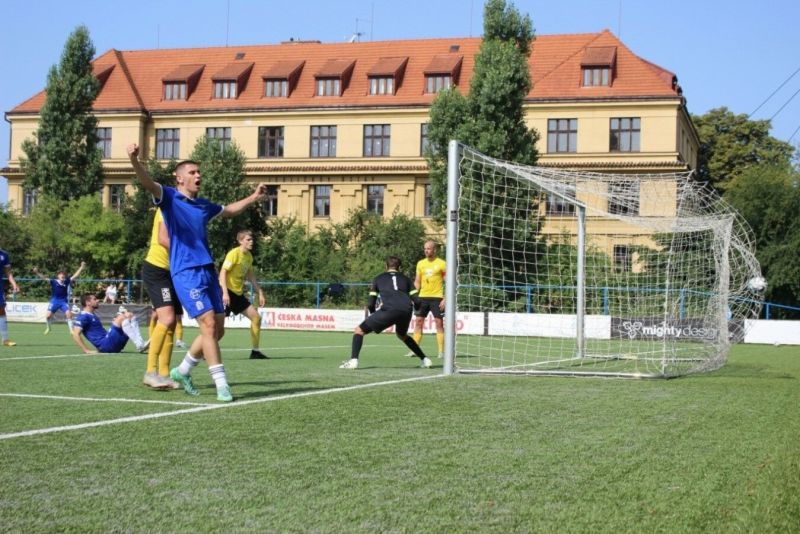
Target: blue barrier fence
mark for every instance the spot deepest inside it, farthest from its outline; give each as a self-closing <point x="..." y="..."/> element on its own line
<point x="131" y="292"/>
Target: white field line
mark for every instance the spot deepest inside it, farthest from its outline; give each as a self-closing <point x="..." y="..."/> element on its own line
<point x="270" y="349"/>
<point x="206" y="407"/>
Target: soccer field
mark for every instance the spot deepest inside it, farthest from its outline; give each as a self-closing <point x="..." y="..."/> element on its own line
<point x="84" y="447"/>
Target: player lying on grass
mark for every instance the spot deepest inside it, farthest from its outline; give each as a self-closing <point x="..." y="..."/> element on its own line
<point x="123" y="328"/>
<point x="398" y="297"/>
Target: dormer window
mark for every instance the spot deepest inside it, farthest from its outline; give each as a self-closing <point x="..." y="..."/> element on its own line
<point x="333" y="77"/>
<point x="442" y="72"/>
<point x="231" y="80"/>
<point x="281" y="79"/>
<point x="386" y="75"/>
<point x="175" y="91"/>
<point x="181" y="82"/>
<point x="597" y="66"/>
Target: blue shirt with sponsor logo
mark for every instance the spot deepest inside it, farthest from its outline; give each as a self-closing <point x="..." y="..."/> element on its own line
<point x="186" y="220"/>
<point x="92" y="328"/>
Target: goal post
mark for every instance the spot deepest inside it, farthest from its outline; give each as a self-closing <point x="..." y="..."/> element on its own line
<point x="579" y="273"/>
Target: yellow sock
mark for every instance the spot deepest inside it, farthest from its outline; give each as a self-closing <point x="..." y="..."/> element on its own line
<point x="179" y="328"/>
<point x="152" y="325"/>
<point x="165" y="355"/>
<point x="156" y="342"/>
<point x="418" y="336"/>
<point x="440" y="341"/>
<point x="255" y="333"/>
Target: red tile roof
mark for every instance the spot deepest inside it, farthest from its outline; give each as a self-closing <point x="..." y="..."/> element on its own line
<point x="599" y="56"/>
<point x="233" y="71"/>
<point x="555" y="65"/>
<point x="444" y="64"/>
<point x="388" y="66"/>
<point x="183" y="73"/>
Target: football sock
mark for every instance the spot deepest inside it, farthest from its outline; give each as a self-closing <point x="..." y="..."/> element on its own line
<point x="152" y="326"/>
<point x="188" y="363"/>
<point x="440" y="341"/>
<point x="255" y="333"/>
<point x="156" y="343"/>
<point x="418" y="337"/>
<point x="218" y="375"/>
<point x="357" y="342"/>
<point x="131" y="329"/>
<point x="70" y="324"/>
<point x="165" y="355"/>
<point x="411" y="344"/>
<point x="4" y="328"/>
<point x="179" y="328"/>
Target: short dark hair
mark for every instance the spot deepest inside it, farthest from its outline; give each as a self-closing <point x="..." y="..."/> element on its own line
<point x="85" y="298"/>
<point x="393" y="262"/>
<point x="185" y="162"/>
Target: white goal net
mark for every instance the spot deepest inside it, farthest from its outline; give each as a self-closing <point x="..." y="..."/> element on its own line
<point x="633" y="275"/>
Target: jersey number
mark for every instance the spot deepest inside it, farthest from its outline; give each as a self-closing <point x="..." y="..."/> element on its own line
<point x="394" y="282"/>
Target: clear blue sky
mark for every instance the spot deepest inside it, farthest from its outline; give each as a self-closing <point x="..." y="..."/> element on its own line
<point x="732" y="53"/>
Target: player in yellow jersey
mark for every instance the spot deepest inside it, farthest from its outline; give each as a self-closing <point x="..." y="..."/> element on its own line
<point x="168" y="310"/>
<point x="430" y="283"/>
<point x="237" y="267"/>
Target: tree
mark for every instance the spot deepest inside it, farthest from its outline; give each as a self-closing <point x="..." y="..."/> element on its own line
<point x="64" y="161"/>
<point x="768" y="197"/>
<point x="222" y="172"/>
<point x="730" y="144"/>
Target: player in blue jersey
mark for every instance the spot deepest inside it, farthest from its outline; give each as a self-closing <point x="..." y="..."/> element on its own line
<point x="5" y="271"/>
<point x="123" y="328"/>
<point x="398" y="297"/>
<point x="60" y="289"/>
<point x="186" y="217"/>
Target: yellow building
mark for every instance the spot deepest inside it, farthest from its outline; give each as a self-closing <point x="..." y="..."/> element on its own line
<point x="338" y="126"/>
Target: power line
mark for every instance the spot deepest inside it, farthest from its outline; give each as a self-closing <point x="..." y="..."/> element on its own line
<point x="785" y="104"/>
<point x="793" y="134"/>
<point x="773" y="93"/>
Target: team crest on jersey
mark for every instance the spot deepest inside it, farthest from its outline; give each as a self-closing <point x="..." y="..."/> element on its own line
<point x="166" y="294"/>
<point x="194" y="294"/>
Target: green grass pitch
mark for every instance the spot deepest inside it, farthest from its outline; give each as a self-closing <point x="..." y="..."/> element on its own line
<point x="307" y="447"/>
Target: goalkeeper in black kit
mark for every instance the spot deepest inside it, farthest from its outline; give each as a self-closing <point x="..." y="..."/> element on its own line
<point x="398" y="297"/>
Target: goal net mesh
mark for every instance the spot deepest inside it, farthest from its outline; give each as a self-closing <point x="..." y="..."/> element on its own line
<point x="665" y="284"/>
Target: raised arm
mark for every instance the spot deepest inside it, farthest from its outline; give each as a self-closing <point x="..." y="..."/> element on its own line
<point x="235" y="208"/>
<point x="37" y="273"/>
<point x="79" y="271"/>
<point x="141" y="173"/>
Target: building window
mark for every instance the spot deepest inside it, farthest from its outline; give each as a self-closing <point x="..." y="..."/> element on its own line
<point x="271" y="203"/>
<point x="376" y="140"/>
<point x="562" y="135"/>
<point x="329" y="87"/>
<point x="428" y="208"/>
<point x="104" y="142"/>
<point x="175" y="91"/>
<point x="375" y="199"/>
<point x="270" y="142"/>
<point x="436" y="82"/>
<point x="117" y="197"/>
<point x="558" y="206"/>
<point x="323" y="141"/>
<point x="276" y="88"/>
<point x="225" y="89"/>
<point x="424" y="144"/>
<point x="623" y="197"/>
<point x="383" y="85"/>
<point x="322" y="201"/>
<point x="168" y="143"/>
<point x="623" y="259"/>
<point x="29" y="200"/>
<point x="596" y="76"/>
<point x="221" y="134"/>
<point x="625" y="133"/>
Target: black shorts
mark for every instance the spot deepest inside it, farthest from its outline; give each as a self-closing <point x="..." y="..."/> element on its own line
<point x="238" y="303"/>
<point x="158" y="285"/>
<point x="383" y="319"/>
<point x="429" y="304"/>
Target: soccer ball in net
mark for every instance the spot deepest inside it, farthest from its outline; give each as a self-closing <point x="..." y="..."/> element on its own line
<point x="757" y="284"/>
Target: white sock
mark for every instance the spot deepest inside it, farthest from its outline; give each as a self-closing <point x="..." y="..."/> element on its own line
<point x="70" y="324"/>
<point x="188" y="363"/>
<point x="218" y="375"/>
<point x="131" y="328"/>
<point x="4" y="328"/>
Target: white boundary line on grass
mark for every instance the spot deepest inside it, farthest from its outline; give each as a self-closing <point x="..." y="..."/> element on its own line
<point x="95" y="399"/>
<point x="206" y="407"/>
